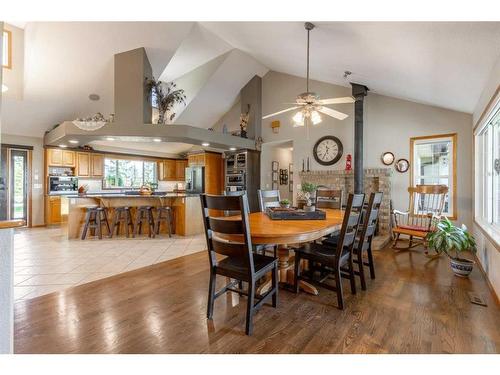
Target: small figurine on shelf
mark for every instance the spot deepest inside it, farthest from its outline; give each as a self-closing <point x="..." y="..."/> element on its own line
<point x="348" y="162"/>
<point x="244" y="118"/>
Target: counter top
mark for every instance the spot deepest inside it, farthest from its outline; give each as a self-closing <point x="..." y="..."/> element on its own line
<point x="124" y="195"/>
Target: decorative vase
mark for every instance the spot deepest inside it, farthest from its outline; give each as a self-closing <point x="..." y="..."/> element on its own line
<point x="161" y="117"/>
<point x="285" y="205"/>
<point x="461" y="267"/>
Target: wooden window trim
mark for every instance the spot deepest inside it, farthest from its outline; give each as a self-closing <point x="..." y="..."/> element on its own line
<point x="9" y="49"/>
<point x="454" y="139"/>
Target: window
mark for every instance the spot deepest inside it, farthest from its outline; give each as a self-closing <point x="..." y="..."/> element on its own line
<point x="487" y="171"/>
<point x="7" y="49"/>
<point x="433" y="162"/>
<point x="125" y="173"/>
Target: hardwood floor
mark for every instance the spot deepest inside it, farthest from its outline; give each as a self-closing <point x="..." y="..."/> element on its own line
<point x="414" y="306"/>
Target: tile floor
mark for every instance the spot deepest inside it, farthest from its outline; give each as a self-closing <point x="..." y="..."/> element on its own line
<point x="45" y="261"/>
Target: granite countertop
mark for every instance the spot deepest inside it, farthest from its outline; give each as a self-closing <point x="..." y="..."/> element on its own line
<point x="158" y="194"/>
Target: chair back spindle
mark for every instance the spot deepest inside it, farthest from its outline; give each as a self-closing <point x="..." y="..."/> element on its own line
<point x="268" y="198"/>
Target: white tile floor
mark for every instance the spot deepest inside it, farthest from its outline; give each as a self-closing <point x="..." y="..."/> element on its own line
<point x="45" y="261"/>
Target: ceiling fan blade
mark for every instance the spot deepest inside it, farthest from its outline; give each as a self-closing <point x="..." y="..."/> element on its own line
<point x="347" y="99"/>
<point x="279" y="112"/>
<point x="333" y="113"/>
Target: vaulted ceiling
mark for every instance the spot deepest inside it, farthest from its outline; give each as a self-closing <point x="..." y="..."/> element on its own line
<point x="442" y="64"/>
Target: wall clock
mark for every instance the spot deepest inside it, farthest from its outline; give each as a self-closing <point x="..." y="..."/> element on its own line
<point x="328" y="150"/>
<point x="402" y="165"/>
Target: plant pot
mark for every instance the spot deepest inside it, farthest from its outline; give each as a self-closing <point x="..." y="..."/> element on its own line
<point x="309" y="208"/>
<point x="461" y="267"/>
<point x="285" y="205"/>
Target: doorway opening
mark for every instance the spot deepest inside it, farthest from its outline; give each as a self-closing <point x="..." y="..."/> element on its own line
<point x="277" y="170"/>
<point x="15" y="183"/>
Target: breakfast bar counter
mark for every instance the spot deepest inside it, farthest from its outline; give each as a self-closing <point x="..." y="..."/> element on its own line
<point x="186" y="209"/>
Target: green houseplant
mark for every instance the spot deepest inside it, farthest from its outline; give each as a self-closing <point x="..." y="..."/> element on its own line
<point x="164" y="96"/>
<point x="285" y="203"/>
<point x="309" y="192"/>
<point x="452" y="241"/>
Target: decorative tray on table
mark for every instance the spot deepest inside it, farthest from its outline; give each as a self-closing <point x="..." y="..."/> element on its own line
<point x="293" y="213"/>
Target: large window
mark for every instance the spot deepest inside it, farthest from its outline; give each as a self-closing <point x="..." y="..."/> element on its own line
<point x="487" y="171"/>
<point x="433" y="162"/>
<point x="124" y="173"/>
<point x="7" y="49"/>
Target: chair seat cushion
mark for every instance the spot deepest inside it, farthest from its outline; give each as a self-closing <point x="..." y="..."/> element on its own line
<point x="413" y="227"/>
<point x="237" y="268"/>
<point x="321" y="253"/>
<point x="412" y="230"/>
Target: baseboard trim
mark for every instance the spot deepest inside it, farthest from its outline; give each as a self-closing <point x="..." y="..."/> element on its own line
<point x="490" y="286"/>
<point x="38" y="226"/>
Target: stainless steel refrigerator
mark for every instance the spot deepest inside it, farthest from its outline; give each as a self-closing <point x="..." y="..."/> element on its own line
<point x="195" y="180"/>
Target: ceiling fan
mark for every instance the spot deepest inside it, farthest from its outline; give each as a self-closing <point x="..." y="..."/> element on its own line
<point x="309" y="103"/>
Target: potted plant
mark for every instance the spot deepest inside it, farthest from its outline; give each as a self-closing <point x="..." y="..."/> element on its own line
<point x="452" y="240"/>
<point x="284" y="203"/>
<point x="309" y="192"/>
<point x="164" y="96"/>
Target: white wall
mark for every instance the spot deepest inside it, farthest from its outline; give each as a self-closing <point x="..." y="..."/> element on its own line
<point x="389" y="125"/>
<point x="13" y="77"/>
<point x="37" y="173"/>
<point x="488" y="251"/>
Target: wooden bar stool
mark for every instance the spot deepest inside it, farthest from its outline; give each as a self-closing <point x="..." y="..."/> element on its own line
<point x="95" y="218"/>
<point x="144" y="215"/>
<point x="122" y="215"/>
<point x="164" y="214"/>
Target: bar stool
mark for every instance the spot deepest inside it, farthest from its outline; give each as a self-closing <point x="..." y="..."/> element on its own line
<point x="144" y="215"/>
<point x="164" y="214"/>
<point x="95" y="218"/>
<point x="122" y="215"/>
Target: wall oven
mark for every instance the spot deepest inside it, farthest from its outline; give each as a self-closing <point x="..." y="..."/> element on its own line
<point x="235" y="179"/>
<point x="63" y="185"/>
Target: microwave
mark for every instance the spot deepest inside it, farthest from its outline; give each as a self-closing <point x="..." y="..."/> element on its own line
<point x="237" y="179"/>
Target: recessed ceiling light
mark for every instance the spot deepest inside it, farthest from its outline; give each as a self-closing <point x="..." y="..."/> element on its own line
<point x="74" y="141"/>
<point x="156" y="140"/>
<point x="110" y="139"/>
<point x="205" y="144"/>
<point x="63" y="146"/>
<point x="232" y="148"/>
<point x="291" y="148"/>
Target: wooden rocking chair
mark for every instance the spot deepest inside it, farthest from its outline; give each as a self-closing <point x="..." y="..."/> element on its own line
<point x="426" y="204"/>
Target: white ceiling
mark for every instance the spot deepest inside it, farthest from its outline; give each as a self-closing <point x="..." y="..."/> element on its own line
<point x="443" y="64"/>
<point x="439" y="63"/>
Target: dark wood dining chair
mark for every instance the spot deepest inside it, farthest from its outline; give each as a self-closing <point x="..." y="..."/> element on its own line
<point x="333" y="260"/>
<point x="328" y="198"/>
<point x="363" y="243"/>
<point x="240" y="263"/>
<point x="268" y="198"/>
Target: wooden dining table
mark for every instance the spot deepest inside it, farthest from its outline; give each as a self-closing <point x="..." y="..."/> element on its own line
<point x="266" y="231"/>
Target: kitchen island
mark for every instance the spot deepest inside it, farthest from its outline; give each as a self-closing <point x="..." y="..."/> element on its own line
<point x="186" y="209"/>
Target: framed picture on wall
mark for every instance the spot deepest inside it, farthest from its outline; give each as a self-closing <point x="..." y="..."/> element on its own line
<point x="275" y="166"/>
<point x="290" y="177"/>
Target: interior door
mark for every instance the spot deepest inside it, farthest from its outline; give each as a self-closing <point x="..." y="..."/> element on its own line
<point x="18" y="184"/>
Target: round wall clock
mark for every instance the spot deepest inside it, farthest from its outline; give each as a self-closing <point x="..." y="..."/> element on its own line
<point x="328" y="150"/>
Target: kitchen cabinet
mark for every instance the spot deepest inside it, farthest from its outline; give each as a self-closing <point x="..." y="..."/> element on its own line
<point x="196" y="159"/>
<point x="60" y="158"/>
<point x="97" y="165"/>
<point x="89" y="165"/>
<point x="52" y="210"/>
<point x="83" y="164"/>
<point x="180" y="169"/>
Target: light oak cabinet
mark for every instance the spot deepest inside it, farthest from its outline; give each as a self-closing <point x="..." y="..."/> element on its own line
<point x="53" y="210"/>
<point x="180" y="169"/>
<point x="172" y="170"/>
<point x="196" y="159"/>
<point x="60" y="158"/>
<point x="89" y="165"/>
<point x="83" y="164"/>
<point x="97" y="165"/>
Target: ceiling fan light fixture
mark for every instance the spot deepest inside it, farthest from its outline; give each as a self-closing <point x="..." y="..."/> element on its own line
<point x="315" y="117"/>
<point x="298" y="119"/>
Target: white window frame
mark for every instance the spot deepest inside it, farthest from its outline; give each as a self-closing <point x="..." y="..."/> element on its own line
<point x="485" y="206"/>
<point x="415" y="175"/>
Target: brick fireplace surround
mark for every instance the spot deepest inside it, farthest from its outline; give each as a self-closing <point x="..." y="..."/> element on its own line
<point x="375" y="179"/>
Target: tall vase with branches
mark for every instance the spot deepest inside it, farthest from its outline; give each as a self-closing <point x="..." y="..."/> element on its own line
<point x="164" y="96"/>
